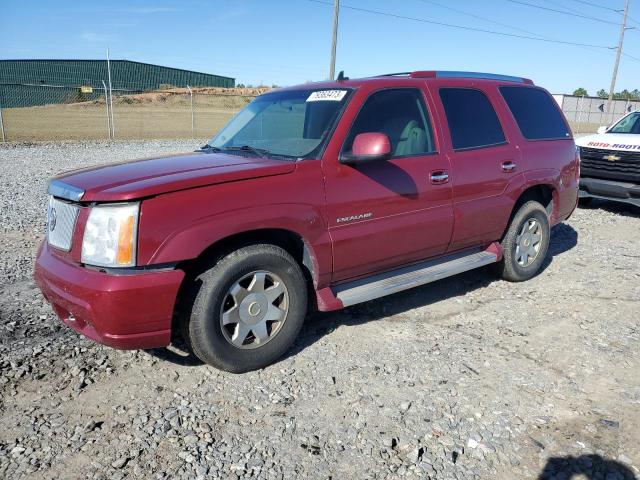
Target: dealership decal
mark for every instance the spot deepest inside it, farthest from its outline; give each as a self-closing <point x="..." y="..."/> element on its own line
<point x="327" y="95"/>
<point x="620" y="146"/>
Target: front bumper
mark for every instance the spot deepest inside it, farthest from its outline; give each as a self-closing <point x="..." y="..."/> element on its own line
<point x="122" y="311"/>
<point x="610" y="190"/>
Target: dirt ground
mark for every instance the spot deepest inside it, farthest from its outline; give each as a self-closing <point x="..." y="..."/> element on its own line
<point x="150" y="115"/>
<point x="467" y="378"/>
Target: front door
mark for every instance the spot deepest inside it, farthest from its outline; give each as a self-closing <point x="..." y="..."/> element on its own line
<point x="385" y="214"/>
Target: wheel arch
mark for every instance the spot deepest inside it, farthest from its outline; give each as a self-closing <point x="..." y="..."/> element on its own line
<point x="543" y="193"/>
<point x="290" y="241"/>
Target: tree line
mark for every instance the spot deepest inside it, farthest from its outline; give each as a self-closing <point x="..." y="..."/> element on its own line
<point x="602" y="93"/>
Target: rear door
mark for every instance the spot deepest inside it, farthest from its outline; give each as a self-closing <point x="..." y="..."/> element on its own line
<point x="387" y="213"/>
<point x="483" y="162"/>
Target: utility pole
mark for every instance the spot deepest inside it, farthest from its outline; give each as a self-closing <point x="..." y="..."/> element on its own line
<point x="623" y="27"/>
<point x="332" y="67"/>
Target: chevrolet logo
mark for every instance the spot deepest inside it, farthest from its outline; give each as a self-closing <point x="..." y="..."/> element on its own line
<point x="611" y="158"/>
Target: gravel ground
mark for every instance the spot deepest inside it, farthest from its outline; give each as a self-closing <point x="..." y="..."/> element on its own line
<point x="466" y="378"/>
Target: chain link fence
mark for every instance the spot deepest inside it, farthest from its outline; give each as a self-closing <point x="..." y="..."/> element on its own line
<point x="586" y="114"/>
<point x="31" y="112"/>
<point x="36" y="112"/>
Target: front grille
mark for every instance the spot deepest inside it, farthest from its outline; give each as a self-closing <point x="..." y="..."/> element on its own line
<point x="594" y="164"/>
<point x="61" y="222"/>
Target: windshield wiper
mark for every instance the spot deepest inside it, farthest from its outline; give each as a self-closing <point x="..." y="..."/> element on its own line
<point x="248" y="148"/>
<point x="209" y="148"/>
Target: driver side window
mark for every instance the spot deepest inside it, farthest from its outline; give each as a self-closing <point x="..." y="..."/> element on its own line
<point x="401" y="115"/>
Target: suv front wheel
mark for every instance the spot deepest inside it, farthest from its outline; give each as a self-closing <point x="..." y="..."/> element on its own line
<point x="525" y="244"/>
<point x="248" y="309"/>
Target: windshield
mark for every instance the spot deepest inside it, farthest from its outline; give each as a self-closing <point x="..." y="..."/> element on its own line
<point x="629" y="124"/>
<point x="291" y="123"/>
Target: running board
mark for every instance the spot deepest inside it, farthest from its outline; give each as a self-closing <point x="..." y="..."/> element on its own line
<point x="382" y="284"/>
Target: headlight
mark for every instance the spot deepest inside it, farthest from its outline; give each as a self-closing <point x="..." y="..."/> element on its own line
<point x="110" y="236"/>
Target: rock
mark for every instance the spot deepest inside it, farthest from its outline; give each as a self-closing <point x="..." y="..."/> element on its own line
<point x="18" y="450"/>
<point x="191" y="439"/>
<point x="120" y="462"/>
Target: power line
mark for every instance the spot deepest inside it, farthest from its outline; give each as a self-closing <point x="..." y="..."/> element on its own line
<point x="462" y="27"/>
<point x="630" y="56"/>
<point x="598" y="6"/>
<point x="473" y="15"/>
<point x="562" y="6"/>
<point x="595" y="19"/>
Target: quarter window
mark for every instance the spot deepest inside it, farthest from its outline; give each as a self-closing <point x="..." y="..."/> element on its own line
<point x="472" y="121"/>
<point x="536" y="113"/>
<point x="402" y="116"/>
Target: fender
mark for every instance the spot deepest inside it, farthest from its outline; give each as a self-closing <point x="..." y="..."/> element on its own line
<point x="563" y="189"/>
<point x="181" y="225"/>
<point x="193" y="238"/>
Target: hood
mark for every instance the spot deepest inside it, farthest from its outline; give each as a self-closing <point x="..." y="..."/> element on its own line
<point x="611" y="141"/>
<point x="153" y="176"/>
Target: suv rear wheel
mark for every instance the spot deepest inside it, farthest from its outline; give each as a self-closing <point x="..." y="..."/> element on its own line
<point x="525" y="244"/>
<point x="248" y="310"/>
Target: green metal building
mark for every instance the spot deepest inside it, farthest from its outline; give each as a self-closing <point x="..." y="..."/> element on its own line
<point x="25" y="83"/>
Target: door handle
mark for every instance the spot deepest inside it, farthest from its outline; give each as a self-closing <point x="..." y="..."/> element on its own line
<point x="508" y="166"/>
<point x="439" y="176"/>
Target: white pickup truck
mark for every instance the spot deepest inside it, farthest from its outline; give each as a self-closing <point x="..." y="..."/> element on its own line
<point x="610" y="162"/>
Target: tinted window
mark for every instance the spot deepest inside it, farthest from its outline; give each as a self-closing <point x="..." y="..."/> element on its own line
<point x="472" y="120"/>
<point x="401" y="115"/>
<point x="536" y="113"/>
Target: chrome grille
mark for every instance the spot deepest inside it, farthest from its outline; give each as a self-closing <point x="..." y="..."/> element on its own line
<point x="61" y="222"/>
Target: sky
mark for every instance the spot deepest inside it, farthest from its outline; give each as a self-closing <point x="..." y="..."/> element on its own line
<point x="286" y="42"/>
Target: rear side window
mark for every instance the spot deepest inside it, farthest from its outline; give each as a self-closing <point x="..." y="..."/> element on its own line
<point x="536" y="113"/>
<point x="472" y="121"/>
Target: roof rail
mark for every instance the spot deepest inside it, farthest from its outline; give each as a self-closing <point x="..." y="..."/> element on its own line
<point x="478" y="75"/>
<point x="394" y="74"/>
<point x="456" y="74"/>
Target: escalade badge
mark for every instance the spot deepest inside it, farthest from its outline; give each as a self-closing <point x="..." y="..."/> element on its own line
<point x="611" y="158"/>
<point x="352" y="218"/>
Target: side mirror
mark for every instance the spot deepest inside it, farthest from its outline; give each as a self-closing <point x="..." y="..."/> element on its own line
<point x="602" y="129"/>
<point x="368" y="147"/>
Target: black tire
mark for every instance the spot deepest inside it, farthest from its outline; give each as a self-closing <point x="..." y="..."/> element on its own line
<point x="204" y="330"/>
<point x="509" y="268"/>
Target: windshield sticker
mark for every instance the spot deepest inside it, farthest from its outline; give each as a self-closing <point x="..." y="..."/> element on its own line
<point x="327" y="95"/>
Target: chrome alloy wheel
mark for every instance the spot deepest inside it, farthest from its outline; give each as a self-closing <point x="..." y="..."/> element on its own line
<point x="528" y="242"/>
<point x="254" y="309"/>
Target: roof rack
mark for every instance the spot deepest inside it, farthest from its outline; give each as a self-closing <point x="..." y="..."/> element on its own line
<point x="394" y="74"/>
<point x="457" y="74"/>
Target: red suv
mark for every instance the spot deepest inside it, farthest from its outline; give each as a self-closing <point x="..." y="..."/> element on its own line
<point x="317" y="196"/>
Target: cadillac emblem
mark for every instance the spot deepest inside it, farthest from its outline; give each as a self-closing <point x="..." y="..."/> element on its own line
<point x="53" y="218"/>
<point x="611" y="157"/>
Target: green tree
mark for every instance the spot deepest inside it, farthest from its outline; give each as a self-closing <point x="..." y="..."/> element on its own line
<point x="580" y="92"/>
<point x="602" y="93"/>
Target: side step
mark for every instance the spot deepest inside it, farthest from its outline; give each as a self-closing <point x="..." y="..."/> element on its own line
<point x="382" y="284"/>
